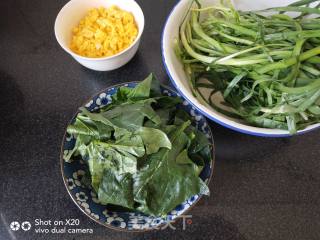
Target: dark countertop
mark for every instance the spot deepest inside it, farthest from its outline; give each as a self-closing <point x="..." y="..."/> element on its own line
<point x="262" y="188"/>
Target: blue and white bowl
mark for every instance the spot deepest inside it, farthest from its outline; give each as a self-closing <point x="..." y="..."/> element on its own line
<point x="86" y="199"/>
<point x="181" y="82"/>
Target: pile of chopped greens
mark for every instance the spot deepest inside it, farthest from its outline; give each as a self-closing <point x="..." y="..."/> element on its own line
<point x="142" y="152"/>
<point x="264" y="63"/>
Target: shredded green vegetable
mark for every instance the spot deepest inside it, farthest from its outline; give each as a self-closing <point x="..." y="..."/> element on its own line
<point x="264" y="63"/>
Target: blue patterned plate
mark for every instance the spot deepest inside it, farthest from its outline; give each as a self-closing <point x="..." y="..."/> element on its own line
<point x="86" y="199"/>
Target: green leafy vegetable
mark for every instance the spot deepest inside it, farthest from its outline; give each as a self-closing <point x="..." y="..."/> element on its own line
<point x="153" y="139"/>
<point x="116" y="189"/>
<point x="141" y="151"/>
<point x="170" y="181"/>
<point x="264" y="63"/>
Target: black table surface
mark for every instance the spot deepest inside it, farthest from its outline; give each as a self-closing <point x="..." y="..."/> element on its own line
<point x="262" y="188"/>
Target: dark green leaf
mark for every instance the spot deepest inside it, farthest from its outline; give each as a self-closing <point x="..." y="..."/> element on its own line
<point x="120" y="155"/>
<point x="163" y="183"/>
<point x="199" y="142"/>
<point x="116" y="189"/>
<point x="183" y="158"/>
<point x="153" y="139"/>
<point x="131" y="116"/>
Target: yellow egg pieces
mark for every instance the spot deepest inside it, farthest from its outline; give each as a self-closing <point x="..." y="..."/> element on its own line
<point x="104" y="32"/>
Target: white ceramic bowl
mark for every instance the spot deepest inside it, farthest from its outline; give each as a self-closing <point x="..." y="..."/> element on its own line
<point x="70" y="16"/>
<point x="180" y="80"/>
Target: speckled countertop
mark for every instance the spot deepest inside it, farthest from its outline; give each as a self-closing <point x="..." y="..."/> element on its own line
<point x="262" y="188"/>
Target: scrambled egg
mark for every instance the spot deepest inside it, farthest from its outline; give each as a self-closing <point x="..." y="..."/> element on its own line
<point x="104" y="32"/>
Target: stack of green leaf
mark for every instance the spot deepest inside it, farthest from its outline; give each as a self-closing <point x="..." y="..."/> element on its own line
<point x="265" y="63"/>
<point x="143" y="153"/>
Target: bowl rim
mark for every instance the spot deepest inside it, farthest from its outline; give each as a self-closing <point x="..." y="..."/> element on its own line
<point x="208" y="181"/>
<point x="240" y="129"/>
<point x="68" y="50"/>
